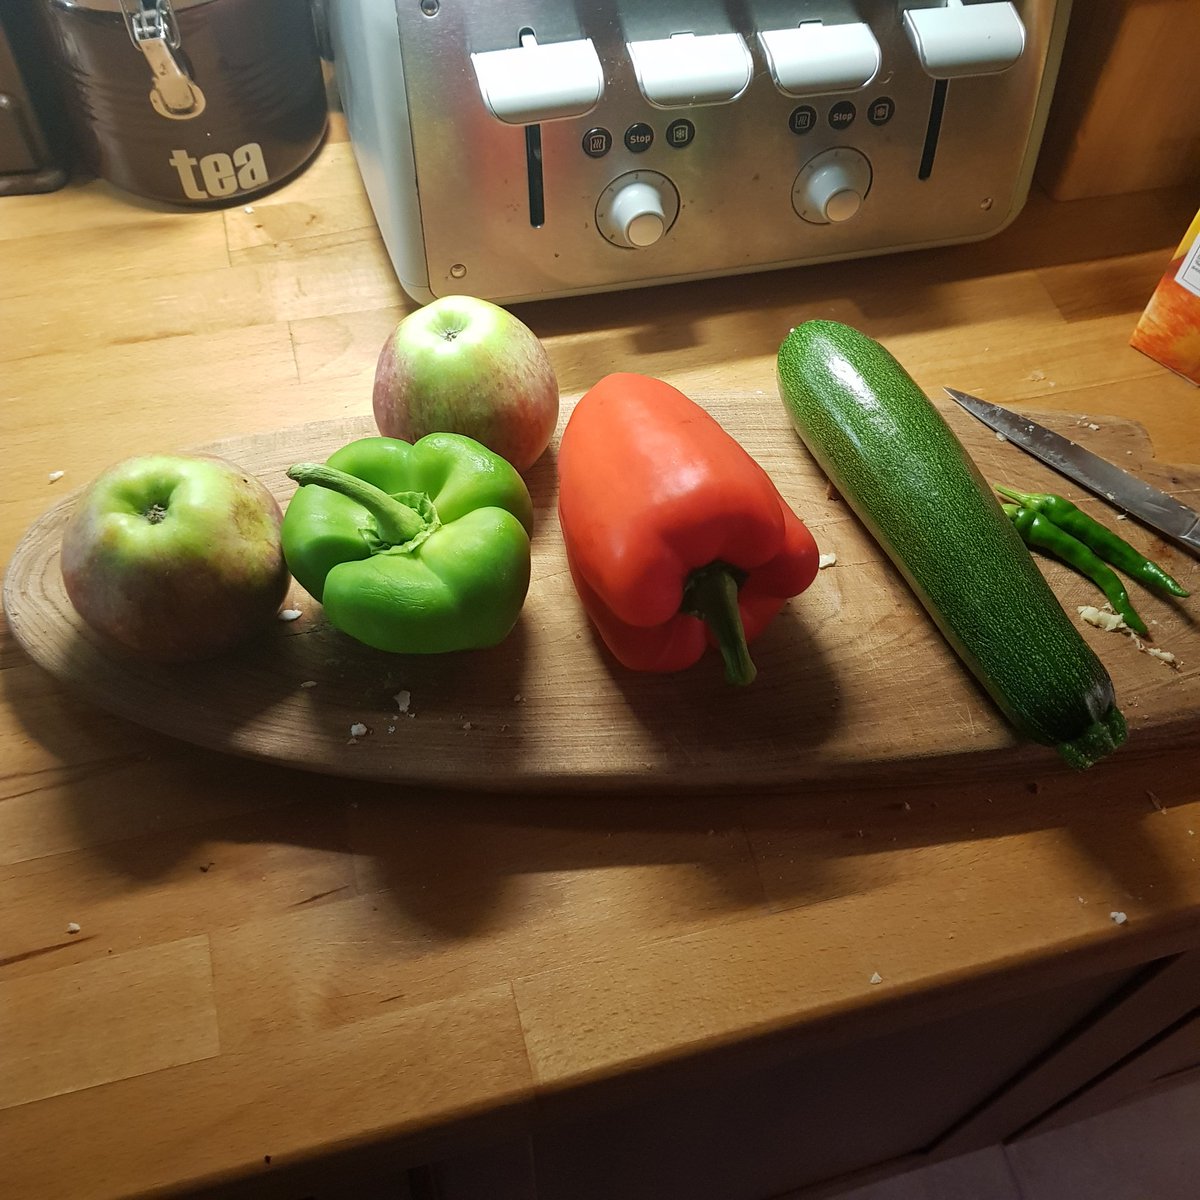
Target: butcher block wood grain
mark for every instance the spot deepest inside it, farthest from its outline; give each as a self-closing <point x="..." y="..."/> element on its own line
<point x="289" y="984"/>
<point x="853" y="677"/>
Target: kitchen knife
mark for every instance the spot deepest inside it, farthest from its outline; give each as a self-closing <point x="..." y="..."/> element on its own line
<point x="1106" y="479"/>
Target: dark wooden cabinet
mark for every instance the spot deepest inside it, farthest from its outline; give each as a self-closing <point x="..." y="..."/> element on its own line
<point x="799" y="1123"/>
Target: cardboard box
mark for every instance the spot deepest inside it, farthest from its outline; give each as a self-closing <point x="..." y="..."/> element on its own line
<point x="1169" y="329"/>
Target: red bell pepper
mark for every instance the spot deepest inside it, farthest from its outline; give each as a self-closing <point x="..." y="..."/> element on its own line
<point x="676" y="538"/>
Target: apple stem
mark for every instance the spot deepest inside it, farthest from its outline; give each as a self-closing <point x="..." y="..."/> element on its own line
<point x="399" y="519"/>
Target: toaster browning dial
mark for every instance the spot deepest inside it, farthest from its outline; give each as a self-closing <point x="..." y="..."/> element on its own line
<point x="832" y="186"/>
<point x="636" y="209"/>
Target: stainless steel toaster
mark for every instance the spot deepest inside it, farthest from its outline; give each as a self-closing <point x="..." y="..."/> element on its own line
<point x="523" y="149"/>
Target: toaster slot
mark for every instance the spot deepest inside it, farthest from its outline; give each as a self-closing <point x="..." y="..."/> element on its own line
<point x="533" y="173"/>
<point x="933" y="130"/>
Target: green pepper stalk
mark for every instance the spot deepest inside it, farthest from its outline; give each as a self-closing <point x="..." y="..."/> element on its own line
<point x="1097" y="537"/>
<point x="418" y="548"/>
<point x="1041" y="533"/>
<point x="402" y="521"/>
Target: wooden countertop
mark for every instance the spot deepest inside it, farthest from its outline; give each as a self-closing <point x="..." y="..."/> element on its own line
<point x="272" y="966"/>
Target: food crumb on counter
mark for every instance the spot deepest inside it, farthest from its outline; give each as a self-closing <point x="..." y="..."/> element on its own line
<point x="826" y="560"/>
<point x="289" y="614"/>
<point x="1117" y="918"/>
<point x="1037" y="376"/>
<point x="309" y="683"/>
<point x="403" y="699"/>
<point x="1001" y="438"/>
<point x="876" y="978"/>
<point x="518" y="698"/>
<point x="73" y="927"/>
<point x="55" y="476"/>
<point x="358" y="729"/>
<point x="391" y="729"/>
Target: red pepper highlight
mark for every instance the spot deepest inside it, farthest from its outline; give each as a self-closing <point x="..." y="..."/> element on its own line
<point x="676" y="538"/>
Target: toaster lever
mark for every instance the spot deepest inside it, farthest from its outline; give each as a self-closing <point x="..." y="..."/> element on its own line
<point x="539" y="81"/>
<point x="974" y="39"/>
<point x="813" y="58"/>
<point x="683" y="69"/>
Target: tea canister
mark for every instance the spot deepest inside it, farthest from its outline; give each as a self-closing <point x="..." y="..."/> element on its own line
<point x="191" y="102"/>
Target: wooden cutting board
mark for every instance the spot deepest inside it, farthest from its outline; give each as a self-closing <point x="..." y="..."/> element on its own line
<point x="854" y="681"/>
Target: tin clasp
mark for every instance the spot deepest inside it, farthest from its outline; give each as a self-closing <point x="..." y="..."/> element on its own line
<point x="154" y="32"/>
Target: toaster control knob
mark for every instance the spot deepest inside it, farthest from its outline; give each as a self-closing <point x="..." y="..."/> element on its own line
<point x="636" y="209"/>
<point x="832" y="187"/>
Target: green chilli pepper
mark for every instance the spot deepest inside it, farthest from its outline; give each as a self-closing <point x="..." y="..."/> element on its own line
<point x="1096" y="537"/>
<point x="414" y="548"/>
<point x="1042" y="534"/>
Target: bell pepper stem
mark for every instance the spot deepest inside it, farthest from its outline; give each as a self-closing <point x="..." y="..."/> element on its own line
<point x="711" y="594"/>
<point x="396" y="522"/>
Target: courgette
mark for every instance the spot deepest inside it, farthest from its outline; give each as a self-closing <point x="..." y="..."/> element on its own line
<point x="904" y="473"/>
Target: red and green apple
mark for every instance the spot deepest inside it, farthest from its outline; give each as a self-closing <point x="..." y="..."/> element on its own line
<point x="464" y="365"/>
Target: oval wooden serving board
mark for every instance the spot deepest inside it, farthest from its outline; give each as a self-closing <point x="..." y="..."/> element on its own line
<point x="853" y="678"/>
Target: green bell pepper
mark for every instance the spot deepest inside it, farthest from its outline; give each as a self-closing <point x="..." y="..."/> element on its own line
<point x="414" y="548"/>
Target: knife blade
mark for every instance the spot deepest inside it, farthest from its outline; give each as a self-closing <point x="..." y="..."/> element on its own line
<point x="1107" y="480"/>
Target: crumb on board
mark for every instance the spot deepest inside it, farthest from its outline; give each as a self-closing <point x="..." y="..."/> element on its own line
<point x="1162" y="808"/>
<point x="55" y="476"/>
<point x="1001" y="438"/>
<point x="1117" y="918"/>
<point x="826" y="560"/>
<point x="403" y="699"/>
<point x="1037" y="376"/>
<point x="289" y="614"/>
<point x="309" y="683"/>
<point x="391" y="729"/>
<point x="358" y="729"/>
<point x="73" y="927"/>
<point x="1092" y="425"/>
<point x="1102" y="618"/>
<point x="518" y="698"/>
<point x="1105" y="618"/>
<point x="876" y="978"/>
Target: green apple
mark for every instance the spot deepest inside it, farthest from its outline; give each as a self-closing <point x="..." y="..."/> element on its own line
<point x="175" y="557"/>
<point x="465" y="365"/>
